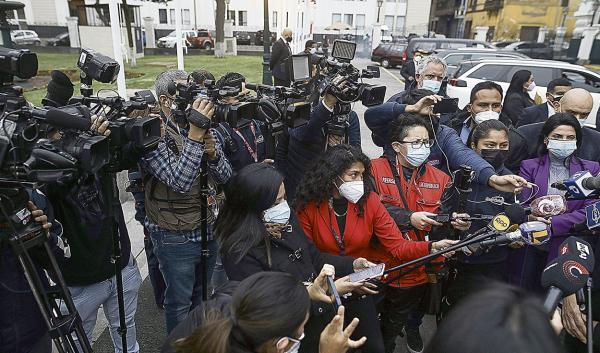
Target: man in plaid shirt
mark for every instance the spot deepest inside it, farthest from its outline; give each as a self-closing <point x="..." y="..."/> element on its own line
<point x="173" y="200"/>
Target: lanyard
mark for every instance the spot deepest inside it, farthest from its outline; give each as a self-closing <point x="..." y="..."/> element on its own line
<point x="253" y="153"/>
<point x="339" y="239"/>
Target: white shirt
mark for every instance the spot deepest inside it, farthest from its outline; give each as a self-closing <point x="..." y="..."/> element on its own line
<point x="551" y="110"/>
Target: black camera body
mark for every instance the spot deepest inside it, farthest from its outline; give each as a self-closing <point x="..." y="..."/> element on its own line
<point x="98" y="67"/>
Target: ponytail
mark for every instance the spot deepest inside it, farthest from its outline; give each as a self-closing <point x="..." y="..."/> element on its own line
<point x="212" y="336"/>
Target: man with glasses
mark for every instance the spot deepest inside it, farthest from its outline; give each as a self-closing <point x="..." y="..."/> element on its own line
<point x="539" y="113"/>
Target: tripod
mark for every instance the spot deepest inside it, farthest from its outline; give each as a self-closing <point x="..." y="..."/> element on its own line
<point x="31" y="238"/>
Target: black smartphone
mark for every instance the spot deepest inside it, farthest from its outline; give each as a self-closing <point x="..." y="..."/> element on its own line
<point x="335" y="296"/>
<point x="442" y="218"/>
<point x="367" y="274"/>
<point x="445" y="106"/>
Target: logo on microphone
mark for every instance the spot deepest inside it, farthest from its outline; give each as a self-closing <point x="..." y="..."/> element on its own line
<point x="539" y="237"/>
<point x="501" y="223"/>
<point x="575" y="272"/>
<point x="584" y="250"/>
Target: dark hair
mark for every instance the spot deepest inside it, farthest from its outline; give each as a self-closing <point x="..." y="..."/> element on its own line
<point x="309" y="43"/>
<point x="415" y="95"/>
<point x="558" y="82"/>
<point x="265" y="306"/>
<point x="485" y="85"/>
<point x="239" y="226"/>
<point x="199" y="76"/>
<point x="398" y="129"/>
<point x="552" y="123"/>
<point x="517" y="82"/>
<point x="498" y="319"/>
<point x="318" y="182"/>
<point x="483" y="129"/>
<point x="231" y="79"/>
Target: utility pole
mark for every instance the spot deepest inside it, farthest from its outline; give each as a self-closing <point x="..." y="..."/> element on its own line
<point x="267" y="78"/>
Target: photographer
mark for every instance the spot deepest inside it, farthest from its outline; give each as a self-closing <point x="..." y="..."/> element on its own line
<point x="246" y="144"/>
<point x="174" y="199"/>
<point x="309" y="141"/>
<point x="88" y="269"/>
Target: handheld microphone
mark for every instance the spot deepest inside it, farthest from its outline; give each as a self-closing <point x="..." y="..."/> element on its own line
<point x="581" y="249"/>
<point x="574" y="185"/>
<point x="532" y="233"/>
<point x="563" y="276"/>
<point x="547" y="206"/>
<point x="591" y="183"/>
<point x="513" y="214"/>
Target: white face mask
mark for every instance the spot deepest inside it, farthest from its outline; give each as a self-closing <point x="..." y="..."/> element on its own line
<point x="417" y="156"/>
<point x="532" y="86"/>
<point x="279" y="213"/>
<point x="432" y="85"/>
<point x="352" y="190"/>
<point x="485" y="116"/>
<point x="313" y="50"/>
<point x="417" y="59"/>
<point x="562" y="148"/>
<point x="296" y="344"/>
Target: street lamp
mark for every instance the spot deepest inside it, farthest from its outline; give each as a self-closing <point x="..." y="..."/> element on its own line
<point x="227" y="9"/>
<point x="267" y="78"/>
<point x="379" y="4"/>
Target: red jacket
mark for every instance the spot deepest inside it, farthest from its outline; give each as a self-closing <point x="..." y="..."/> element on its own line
<point x="423" y="193"/>
<point x="373" y="235"/>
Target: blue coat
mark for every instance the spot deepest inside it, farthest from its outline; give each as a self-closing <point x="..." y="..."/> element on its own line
<point x="448" y="142"/>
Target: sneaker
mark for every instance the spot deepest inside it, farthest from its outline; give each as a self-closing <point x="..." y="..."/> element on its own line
<point x="414" y="343"/>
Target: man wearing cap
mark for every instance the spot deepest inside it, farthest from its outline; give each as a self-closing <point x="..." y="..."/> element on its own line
<point x="409" y="69"/>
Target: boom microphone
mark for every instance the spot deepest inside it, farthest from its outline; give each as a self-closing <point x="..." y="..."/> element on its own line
<point x="563" y="276"/>
<point x="62" y="118"/>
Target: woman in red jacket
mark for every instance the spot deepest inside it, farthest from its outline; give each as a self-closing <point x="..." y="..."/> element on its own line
<point x="342" y="215"/>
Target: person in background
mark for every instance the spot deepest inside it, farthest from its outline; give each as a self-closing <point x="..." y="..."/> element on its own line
<point x="429" y="73"/>
<point x="280" y="53"/>
<point x="517" y="95"/>
<point x="558" y="143"/>
<point x="539" y="113"/>
<point x="408" y="71"/>
<point x="498" y="319"/>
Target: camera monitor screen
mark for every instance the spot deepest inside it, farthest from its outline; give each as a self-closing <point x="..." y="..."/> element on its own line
<point x="343" y="50"/>
<point x="300" y="67"/>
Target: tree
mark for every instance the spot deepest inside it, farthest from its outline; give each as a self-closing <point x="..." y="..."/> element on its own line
<point x="220" y="29"/>
<point x="128" y="11"/>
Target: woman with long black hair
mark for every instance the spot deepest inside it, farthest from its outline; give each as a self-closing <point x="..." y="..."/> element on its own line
<point x="258" y="232"/>
<point x="517" y="95"/>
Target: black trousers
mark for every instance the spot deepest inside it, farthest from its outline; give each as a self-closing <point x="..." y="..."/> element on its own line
<point x="397" y="303"/>
<point x="471" y="277"/>
<point x="280" y="82"/>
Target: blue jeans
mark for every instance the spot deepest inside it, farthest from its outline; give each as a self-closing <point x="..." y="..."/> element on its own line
<point x="156" y="277"/>
<point x="88" y="299"/>
<point x="180" y="263"/>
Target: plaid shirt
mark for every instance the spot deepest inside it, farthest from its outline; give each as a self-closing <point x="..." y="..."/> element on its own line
<point x="180" y="172"/>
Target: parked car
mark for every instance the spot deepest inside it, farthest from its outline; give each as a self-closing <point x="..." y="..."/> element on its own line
<point x="61" y="40"/>
<point x="503" y="43"/>
<point x="431" y="44"/>
<point x="201" y="39"/>
<point x="501" y="71"/>
<point x="258" y="39"/>
<point x="244" y="38"/>
<point x="454" y="57"/>
<point x="24" y="37"/>
<point x="388" y="54"/>
<point x="532" y="49"/>
<point x="169" y="41"/>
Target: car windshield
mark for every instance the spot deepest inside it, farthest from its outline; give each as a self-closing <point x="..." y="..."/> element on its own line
<point x="172" y="34"/>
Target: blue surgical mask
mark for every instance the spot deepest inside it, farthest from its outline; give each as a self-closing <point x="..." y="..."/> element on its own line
<point x="432" y="85"/>
<point x="562" y="148"/>
<point x="417" y="156"/>
<point x="279" y="213"/>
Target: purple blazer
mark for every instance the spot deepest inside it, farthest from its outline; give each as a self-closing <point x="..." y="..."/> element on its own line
<point x="537" y="171"/>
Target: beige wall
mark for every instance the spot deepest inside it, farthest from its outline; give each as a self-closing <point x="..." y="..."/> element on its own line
<point x="417" y="16"/>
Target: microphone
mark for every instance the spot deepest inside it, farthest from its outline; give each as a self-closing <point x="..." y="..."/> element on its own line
<point x="513" y="214"/>
<point x="547" y="206"/>
<point x="62" y="118"/>
<point x="60" y="90"/>
<point x="580" y="249"/>
<point x="574" y="185"/>
<point x="591" y="183"/>
<point x="532" y="233"/>
<point x="563" y="276"/>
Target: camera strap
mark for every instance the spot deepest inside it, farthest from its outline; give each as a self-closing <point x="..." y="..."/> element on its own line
<point x="253" y="153"/>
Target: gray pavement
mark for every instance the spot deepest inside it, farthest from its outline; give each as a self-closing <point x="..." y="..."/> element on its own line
<point x="150" y="320"/>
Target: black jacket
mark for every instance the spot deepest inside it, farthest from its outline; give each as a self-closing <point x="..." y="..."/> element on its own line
<point x="516" y="140"/>
<point x="589" y="149"/>
<point x="534" y="114"/>
<point x="408" y="70"/>
<point x="279" y="54"/>
<point x="513" y="106"/>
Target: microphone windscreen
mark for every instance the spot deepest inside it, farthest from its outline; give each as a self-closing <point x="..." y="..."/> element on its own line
<point x="66" y="120"/>
<point x="515" y="213"/>
<point x="565" y="273"/>
<point x="581" y="249"/>
<point x="60" y="88"/>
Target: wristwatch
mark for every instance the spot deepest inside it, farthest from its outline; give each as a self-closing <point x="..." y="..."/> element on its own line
<point x="198" y="119"/>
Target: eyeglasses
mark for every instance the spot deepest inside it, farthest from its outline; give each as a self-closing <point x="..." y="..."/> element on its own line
<point x="419" y="143"/>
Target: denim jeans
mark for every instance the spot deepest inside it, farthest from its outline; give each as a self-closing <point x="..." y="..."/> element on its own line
<point x="88" y="300"/>
<point x="156" y="277"/>
<point x="180" y="263"/>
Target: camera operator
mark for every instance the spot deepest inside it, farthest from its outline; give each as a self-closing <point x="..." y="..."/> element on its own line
<point x="22" y="327"/>
<point x="88" y="269"/>
<point x="248" y="143"/>
<point x="174" y="199"/>
<point x="309" y="141"/>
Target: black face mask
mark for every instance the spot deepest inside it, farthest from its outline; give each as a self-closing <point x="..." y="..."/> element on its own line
<point x="289" y="39"/>
<point x="494" y="157"/>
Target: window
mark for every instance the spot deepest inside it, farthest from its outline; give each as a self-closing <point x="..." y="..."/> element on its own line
<point x="582" y="80"/>
<point x="336" y="17"/>
<point x="274" y="22"/>
<point x="21" y="13"/>
<point x="231" y="16"/>
<point x="287" y="19"/>
<point x="302" y="20"/>
<point x="242" y="18"/>
<point x="162" y="15"/>
<point x="185" y="15"/>
<point x="453" y="45"/>
<point x="349" y="19"/>
<point x="399" y="24"/>
<point x="390" y="0"/>
<point x="360" y="22"/>
<point x="172" y="16"/>
<point x="455" y="59"/>
<point x="489" y="72"/>
<point x="389" y="22"/>
<point x="542" y="75"/>
<point x="203" y="34"/>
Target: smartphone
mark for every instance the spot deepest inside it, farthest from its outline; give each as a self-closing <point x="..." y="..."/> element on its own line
<point x="442" y="218"/>
<point x="367" y="273"/>
<point x="335" y="296"/>
<point x="445" y="106"/>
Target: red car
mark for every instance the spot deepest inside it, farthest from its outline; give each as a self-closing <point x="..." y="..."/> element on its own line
<point x="203" y="39"/>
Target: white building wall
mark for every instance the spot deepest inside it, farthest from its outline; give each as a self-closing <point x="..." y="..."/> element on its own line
<point x="417" y="16"/>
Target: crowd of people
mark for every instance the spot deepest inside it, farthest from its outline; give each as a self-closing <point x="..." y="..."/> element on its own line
<point x="285" y="214"/>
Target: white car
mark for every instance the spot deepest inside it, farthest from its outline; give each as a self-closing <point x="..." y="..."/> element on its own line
<point x="170" y="40"/>
<point x="24" y="37"/>
<point x="501" y="71"/>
